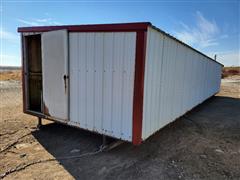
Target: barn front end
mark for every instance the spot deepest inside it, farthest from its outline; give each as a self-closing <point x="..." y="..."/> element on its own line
<point x="86" y="76"/>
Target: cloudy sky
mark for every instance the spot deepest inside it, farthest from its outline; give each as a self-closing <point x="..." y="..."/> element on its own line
<point x="209" y="26"/>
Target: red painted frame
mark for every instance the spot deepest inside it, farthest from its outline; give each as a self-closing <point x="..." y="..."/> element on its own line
<point x="23" y="75"/>
<point x="141" y="39"/>
<point x="124" y="27"/>
<point x="139" y="87"/>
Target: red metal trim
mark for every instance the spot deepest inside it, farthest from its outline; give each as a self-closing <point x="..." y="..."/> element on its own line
<point x="23" y="77"/>
<point x="139" y="87"/>
<point x="124" y="27"/>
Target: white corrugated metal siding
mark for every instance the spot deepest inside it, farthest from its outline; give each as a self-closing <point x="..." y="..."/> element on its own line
<point x="102" y="81"/>
<point x="176" y="79"/>
<point x="54" y="67"/>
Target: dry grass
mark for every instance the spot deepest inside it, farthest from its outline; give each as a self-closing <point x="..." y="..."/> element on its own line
<point x="10" y="75"/>
<point x="230" y="71"/>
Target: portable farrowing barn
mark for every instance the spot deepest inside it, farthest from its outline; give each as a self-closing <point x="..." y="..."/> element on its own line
<point x="121" y="80"/>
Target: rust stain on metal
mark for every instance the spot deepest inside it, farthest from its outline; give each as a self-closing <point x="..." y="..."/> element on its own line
<point x="45" y="110"/>
<point x="65" y="77"/>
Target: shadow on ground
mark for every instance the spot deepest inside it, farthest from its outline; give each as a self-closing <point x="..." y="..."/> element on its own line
<point x="205" y="143"/>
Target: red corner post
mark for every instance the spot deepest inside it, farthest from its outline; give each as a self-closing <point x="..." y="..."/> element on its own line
<point x="23" y="75"/>
<point x="139" y="87"/>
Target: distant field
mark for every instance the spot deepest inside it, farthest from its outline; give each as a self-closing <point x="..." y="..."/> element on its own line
<point x="9" y="68"/>
<point x="230" y="71"/>
<point x="8" y="75"/>
<point x="14" y="73"/>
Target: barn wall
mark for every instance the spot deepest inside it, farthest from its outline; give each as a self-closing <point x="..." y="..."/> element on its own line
<point x="101" y="82"/>
<point x="176" y="79"/>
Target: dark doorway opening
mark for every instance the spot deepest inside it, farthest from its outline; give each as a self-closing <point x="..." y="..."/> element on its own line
<point x="34" y="72"/>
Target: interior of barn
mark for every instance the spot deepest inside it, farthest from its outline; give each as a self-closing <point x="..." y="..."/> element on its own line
<point x="32" y="44"/>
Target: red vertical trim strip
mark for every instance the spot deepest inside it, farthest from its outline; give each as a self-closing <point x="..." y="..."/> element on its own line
<point x="139" y="87"/>
<point x="23" y="75"/>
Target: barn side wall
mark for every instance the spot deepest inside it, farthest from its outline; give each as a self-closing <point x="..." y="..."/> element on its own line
<point x="177" y="79"/>
<point x="102" y="81"/>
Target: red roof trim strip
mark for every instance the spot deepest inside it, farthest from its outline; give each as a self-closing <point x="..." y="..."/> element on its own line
<point x="90" y="28"/>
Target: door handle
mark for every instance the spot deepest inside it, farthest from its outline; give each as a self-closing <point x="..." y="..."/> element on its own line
<point x="65" y="77"/>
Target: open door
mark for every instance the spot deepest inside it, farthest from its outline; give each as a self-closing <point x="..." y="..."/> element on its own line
<point x="55" y="74"/>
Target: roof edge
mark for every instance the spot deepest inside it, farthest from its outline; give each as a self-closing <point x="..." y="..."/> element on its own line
<point x="114" y="27"/>
<point x="134" y="26"/>
<point x="172" y="37"/>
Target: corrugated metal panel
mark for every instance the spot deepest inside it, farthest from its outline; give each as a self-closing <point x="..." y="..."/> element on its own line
<point x="176" y="79"/>
<point x="101" y="82"/>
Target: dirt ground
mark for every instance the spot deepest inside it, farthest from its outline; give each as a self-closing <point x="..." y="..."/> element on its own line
<point x="204" y="144"/>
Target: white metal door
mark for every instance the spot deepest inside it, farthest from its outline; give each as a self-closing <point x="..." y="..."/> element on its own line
<point x="55" y="74"/>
